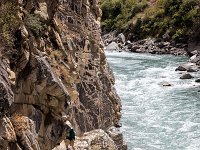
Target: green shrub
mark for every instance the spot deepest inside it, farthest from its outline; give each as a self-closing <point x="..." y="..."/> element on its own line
<point x="32" y="21"/>
<point x="116" y="13"/>
<point x="179" y="33"/>
<point x="179" y="17"/>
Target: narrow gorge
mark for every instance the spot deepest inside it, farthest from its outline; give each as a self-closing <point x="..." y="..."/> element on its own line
<point x="52" y="64"/>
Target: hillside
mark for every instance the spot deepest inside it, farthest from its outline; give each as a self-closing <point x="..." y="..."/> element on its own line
<point x="138" y="19"/>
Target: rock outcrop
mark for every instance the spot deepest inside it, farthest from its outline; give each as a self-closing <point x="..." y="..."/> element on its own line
<point x="95" y="140"/>
<point x="52" y="64"/>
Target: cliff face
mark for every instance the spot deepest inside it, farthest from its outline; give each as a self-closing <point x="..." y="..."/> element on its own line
<point x="52" y="64"/>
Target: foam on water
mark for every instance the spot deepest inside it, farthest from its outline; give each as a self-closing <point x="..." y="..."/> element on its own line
<point x="156" y="117"/>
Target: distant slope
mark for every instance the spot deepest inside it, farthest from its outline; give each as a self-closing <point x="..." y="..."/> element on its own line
<point x="176" y="19"/>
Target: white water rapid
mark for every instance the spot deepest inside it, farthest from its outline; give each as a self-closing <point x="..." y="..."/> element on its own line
<point x="155" y="117"/>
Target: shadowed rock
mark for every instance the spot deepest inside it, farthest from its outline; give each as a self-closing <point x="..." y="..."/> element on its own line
<point x="186" y="76"/>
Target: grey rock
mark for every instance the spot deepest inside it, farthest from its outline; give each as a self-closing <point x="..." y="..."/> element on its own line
<point x="95" y="140"/>
<point x="166" y="84"/>
<point x="117" y="137"/>
<point x="186" y="76"/>
<point x="113" y="47"/>
<point x="129" y="46"/>
<point x="194" y="59"/>
<point x="193" y="69"/>
<point x="166" y="36"/>
<point x="128" y="42"/>
<point x="6" y="93"/>
<point x="186" y="67"/>
<point x="180" y="68"/>
<point x="121" y="38"/>
<point x="161" y="45"/>
<point x="134" y="48"/>
<point x="197" y="80"/>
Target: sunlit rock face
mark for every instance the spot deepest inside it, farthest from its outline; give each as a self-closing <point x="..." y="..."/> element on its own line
<point x="52" y="64"/>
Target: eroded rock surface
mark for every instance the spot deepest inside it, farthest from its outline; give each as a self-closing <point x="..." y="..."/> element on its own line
<point x="95" y="140"/>
<point x="52" y="64"/>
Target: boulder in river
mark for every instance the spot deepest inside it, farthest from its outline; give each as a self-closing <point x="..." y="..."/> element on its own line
<point x="197" y="80"/>
<point x="186" y="76"/>
<point x="186" y="67"/>
<point x="193" y="69"/>
<point x="166" y="84"/>
<point x="180" y="68"/>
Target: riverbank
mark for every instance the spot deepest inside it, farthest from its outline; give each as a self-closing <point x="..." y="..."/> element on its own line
<point x="161" y="46"/>
<point x="149" y="45"/>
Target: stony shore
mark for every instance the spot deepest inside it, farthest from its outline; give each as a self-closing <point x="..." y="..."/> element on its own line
<point x="149" y="45"/>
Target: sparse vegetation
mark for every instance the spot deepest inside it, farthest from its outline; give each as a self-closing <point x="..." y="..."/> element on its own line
<point x="9" y="23"/>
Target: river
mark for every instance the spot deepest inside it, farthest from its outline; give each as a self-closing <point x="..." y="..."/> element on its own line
<point x="155" y="117"/>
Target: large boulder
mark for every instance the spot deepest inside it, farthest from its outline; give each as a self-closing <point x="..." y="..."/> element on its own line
<point x="121" y="38"/>
<point x="113" y="47"/>
<point x="197" y="80"/>
<point x="194" y="59"/>
<point x="181" y="68"/>
<point x="193" y="69"/>
<point x="190" y="67"/>
<point x="95" y="140"/>
<point x="186" y="76"/>
<point x="117" y="137"/>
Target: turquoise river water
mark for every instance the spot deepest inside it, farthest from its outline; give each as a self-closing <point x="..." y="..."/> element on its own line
<point x="156" y="117"/>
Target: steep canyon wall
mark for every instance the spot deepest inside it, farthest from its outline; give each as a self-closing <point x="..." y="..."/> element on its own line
<point x="52" y="64"/>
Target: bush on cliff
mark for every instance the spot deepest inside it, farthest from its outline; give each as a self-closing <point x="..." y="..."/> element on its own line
<point x="9" y="23"/>
<point x="33" y="23"/>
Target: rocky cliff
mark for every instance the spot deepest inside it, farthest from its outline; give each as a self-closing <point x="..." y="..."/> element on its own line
<point x="52" y="64"/>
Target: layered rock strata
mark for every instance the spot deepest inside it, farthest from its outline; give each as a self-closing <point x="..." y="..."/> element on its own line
<point x="52" y="64"/>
